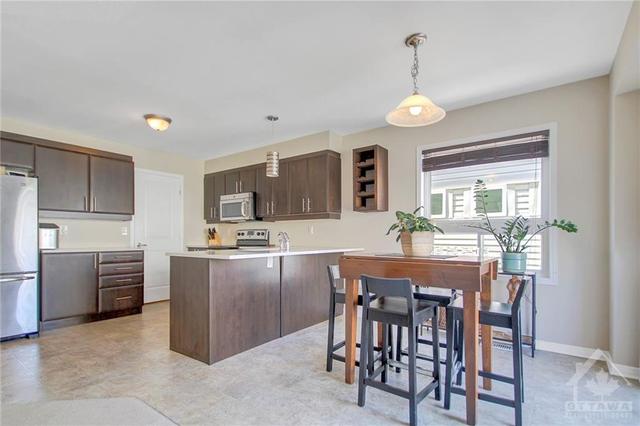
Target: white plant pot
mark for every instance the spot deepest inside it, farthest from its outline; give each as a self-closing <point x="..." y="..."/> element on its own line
<point x="417" y="244"/>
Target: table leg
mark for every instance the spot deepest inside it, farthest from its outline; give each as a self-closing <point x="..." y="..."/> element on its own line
<point x="380" y="334"/>
<point x="470" y="315"/>
<point x="487" y="333"/>
<point x="534" y="313"/>
<point x="350" y="325"/>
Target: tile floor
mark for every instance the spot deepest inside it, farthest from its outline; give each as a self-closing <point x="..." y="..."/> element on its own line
<point x="283" y="382"/>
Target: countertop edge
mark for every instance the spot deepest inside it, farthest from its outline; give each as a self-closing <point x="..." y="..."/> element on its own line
<point x="254" y="255"/>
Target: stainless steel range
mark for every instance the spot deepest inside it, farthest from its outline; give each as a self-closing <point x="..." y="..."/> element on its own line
<point x="252" y="238"/>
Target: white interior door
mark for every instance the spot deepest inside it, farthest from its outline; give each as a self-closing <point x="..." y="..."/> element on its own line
<point x="157" y="227"/>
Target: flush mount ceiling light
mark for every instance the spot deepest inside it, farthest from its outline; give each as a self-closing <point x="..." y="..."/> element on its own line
<point x="157" y="122"/>
<point x="415" y="110"/>
<point x="273" y="157"/>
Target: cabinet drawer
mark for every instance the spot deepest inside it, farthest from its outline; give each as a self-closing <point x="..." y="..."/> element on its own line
<point x="120" y="268"/>
<point x="120" y="298"/>
<point x="121" y="257"/>
<point x="120" y="280"/>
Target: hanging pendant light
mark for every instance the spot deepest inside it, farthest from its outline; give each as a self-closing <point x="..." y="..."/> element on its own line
<point x="415" y="110"/>
<point x="273" y="157"/>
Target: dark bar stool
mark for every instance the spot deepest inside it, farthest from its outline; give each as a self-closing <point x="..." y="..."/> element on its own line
<point x="443" y="301"/>
<point x="395" y="304"/>
<point x="337" y="295"/>
<point x="496" y="314"/>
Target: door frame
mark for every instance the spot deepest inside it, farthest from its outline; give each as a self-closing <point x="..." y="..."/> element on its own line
<point x="180" y="215"/>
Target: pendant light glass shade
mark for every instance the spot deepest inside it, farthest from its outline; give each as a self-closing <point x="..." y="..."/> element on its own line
<point x="414" y="111"/>
<point x="273" y="164"/>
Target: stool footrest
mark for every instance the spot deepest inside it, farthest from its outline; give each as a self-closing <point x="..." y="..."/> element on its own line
<point x="486" y="397"/>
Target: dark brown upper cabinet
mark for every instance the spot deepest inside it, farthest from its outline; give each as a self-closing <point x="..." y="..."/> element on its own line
<point x="272" y="195"/>
<point x="74" y="181"/>
<point x="247" y="181"/>
<point x="63" y="182"/>
<point x="111" y="186"/>
<point x="232" y="182"/>
<point x="16" y="154"/>
<point x="214" y="187"/>
<point x="314" y="185"/>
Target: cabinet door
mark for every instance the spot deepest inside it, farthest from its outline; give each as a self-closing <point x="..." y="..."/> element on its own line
<point x="297" y="186"/>
<point x="218" y="190"/>
<point x="263" y="192"/>
<point x="63" y="179"/>
<point x="16" y="154"/>
<point x="247" y="182"/>
<point x="209" y="189"/>
<point x="69" y="285"/>
<point x="280" y="192"/>
<point x="317" y="184"/>
<point x="231" y="182"/>
<point x="111" y="186"/>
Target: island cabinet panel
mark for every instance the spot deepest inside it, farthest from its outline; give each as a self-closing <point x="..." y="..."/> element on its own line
<point x="63" y="182"/>
<point x="245" y="301"/>
<point x="305" y="290"/>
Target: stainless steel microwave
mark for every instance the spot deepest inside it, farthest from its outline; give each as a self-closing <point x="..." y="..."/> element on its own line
<point x="237" y="207"/>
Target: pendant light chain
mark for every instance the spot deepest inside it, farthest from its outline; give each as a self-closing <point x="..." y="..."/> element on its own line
<point x="414" y="69"/>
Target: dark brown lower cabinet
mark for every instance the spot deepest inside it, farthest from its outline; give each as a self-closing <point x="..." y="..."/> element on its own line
<point x="69" y="285"/>
<point x="305" y="290"/>
<point x="82" y="287"/>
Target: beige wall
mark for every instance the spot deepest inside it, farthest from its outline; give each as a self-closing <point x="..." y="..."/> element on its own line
<point x="102" y="233"/>
<point x="574" y="311"/>
<point x="624" y="197"/>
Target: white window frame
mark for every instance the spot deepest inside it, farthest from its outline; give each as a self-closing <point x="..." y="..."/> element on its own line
<point x="548" y="190"/>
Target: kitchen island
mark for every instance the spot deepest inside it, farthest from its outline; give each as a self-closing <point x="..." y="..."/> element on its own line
<point x="225" y="302"/>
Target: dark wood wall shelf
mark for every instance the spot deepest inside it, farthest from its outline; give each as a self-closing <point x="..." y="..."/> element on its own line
<point x="370" y="179"/>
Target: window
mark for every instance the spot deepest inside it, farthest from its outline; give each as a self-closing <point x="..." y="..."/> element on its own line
<point x="515" y="170"/>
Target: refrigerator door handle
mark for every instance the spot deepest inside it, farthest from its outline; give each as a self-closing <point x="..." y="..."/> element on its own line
<point x="16" y="279"/>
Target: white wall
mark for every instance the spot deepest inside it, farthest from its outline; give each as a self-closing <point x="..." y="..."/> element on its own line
<point x="624" y="197"/>
<point x="103" y="233"/>
<point x="574" y="311"/>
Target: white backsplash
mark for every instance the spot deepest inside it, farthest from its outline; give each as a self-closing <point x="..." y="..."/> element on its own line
<point x="80" y="233"/>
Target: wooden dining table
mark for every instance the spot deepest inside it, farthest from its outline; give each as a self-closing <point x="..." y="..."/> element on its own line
<point x="470" y="274"/>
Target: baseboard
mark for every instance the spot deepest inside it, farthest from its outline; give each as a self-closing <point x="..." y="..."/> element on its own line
<point x="620" y="370"/>
<point x="560" y="348"/>
<point x="156" y="294"/>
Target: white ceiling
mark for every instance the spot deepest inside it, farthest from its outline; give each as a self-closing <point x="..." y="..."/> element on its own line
<point x="218" y="68"/>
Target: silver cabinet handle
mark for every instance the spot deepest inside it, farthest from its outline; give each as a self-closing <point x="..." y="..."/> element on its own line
<point x="95" y="260"/>
<point x="16" y="279"/>
<point x="122" y="257"/>
<point x="273" y="210"/>
<point x="240" y="186"/>
<point x="124" y="280"/>
<point x="124" y="298"/>
<point x="267" y="208"/>
<point x="95" y="204"/>
<point x="124" y="269"/>
<point x="236" y="186"/>
<point x="308" y="204"/>
<point x="302" y="204"/>
<point x="211" y="211"/>
<point x="84" y="202"/>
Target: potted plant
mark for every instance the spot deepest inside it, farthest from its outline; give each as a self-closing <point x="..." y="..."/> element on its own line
<point x="415" y="233"/>
<point x="516" y="234"/>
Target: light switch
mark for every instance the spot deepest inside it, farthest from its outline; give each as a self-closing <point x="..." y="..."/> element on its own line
<point x="269" y="262"/>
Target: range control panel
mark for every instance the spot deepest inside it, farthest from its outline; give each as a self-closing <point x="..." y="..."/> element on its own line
<point x="252" y="237"/>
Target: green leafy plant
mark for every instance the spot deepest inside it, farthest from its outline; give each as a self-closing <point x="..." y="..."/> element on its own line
<point x="512" y="238"/>
<point x="410" y="222"/>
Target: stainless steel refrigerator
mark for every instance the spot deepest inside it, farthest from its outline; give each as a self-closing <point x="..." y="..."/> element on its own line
<point x="18" y="256"/>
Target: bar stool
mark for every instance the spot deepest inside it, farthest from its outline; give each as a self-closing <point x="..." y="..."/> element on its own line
<point x="443" y="301"/>
<point x="496" y="314"/>
<point x="337" y="295"/>
<point x="395" y="304"/>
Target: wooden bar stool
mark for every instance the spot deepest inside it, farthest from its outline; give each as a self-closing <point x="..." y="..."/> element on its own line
<point x="337" y="295"/>
<point x="395" y="305"/>
<point x="496" y="314"/>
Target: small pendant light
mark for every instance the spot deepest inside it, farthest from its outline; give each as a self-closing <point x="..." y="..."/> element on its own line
<point x="273" y="158"/>
<point x="415" y="110"/>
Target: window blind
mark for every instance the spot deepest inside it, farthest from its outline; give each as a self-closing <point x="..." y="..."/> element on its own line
<point x="508" y="148"/>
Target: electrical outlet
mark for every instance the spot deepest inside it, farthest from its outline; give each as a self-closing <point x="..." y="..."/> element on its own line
<point x="64" y="230"/>
<point x="124" y="231"/>
<point x="312" y="229"/>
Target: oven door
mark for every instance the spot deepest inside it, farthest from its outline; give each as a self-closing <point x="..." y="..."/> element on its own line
<point x="236" y="209"/>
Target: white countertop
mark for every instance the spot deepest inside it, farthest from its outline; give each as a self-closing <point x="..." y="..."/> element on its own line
<point x="89" y="249"/>
<point x="252" y="253"/>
